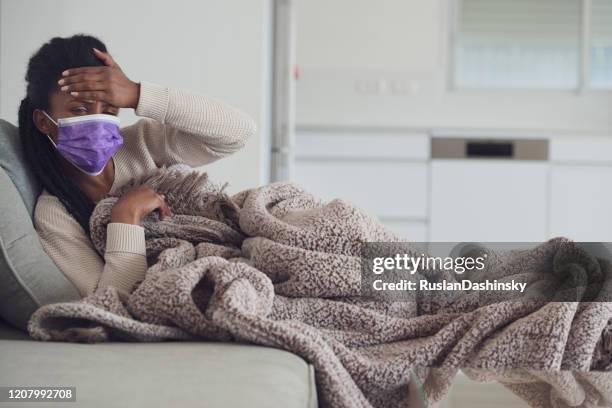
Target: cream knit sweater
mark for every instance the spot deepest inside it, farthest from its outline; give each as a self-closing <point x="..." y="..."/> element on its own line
<point x="178" y="127"/>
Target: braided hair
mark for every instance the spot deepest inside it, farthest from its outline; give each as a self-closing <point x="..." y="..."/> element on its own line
<point x="44" y="70"/>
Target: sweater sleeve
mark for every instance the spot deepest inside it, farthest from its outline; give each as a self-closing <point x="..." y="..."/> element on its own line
<point x="65" y="241"/>
<point x="181" y="127"/>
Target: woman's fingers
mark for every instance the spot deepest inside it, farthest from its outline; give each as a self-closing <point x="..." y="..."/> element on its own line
<point x="164" y="212"/>
<point x="84" y="80"/>
<point x="108" y="83"/>
<point x="164" y="209"/>
<point x="83" y="77"/>
<point x="137" y="203"/>
<point x="105" y="57"/>
<point x="91" y="95"/>
<point x="83" y="70"/>
<point x="85" y="86"/>
<point x="161" y="203"/>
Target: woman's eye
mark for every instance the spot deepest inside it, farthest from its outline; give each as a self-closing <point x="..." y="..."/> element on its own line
<point x="79" y="110"/>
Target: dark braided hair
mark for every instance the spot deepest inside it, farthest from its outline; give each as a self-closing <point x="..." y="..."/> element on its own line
<point x="44" y="70"/>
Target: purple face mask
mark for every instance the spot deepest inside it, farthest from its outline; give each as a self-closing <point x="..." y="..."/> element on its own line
<point x="88" y="141"/>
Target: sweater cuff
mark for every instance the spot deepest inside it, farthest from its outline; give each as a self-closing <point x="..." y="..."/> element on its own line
<point x="153" y="101"/>
<point x="125" y="238"/>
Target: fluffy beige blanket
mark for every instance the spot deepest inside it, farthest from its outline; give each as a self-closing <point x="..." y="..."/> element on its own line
<point x="277" y="267"/>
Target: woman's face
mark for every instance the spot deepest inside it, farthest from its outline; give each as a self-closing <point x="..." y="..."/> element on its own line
<point x="64" y="105"/>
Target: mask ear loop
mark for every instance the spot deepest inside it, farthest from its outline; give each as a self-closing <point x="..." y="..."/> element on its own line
<point x="49" y="117"/>
<point x="55" y="123"/>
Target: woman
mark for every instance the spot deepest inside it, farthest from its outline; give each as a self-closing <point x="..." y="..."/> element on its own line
<point x="69" y="128"/>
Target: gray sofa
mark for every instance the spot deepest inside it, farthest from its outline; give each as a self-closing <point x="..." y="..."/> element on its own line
<point x="171" y="374"/>
<point x="118" y="374"/>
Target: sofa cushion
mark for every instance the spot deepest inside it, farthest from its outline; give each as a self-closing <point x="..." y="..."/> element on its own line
<point x="28" y="277"/>
<point x="169" y="374"/>
<point x="12" y="161"/>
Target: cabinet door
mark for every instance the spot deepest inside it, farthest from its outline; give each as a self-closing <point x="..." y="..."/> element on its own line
<point x="488" y="200"/>
<point x="581" y="202"/>
<point x="388" y="190"/>
<point x="415" y="231"/>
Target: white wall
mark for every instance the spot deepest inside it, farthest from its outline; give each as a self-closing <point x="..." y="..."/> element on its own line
<point x="384" y="63"/>
<point x="219" y="48"/>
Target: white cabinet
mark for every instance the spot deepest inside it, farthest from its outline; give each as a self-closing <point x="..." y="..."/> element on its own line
<point x="488" y="200"/>
<point x="415" y="231"/>
<point x="567" y="192"/>
<point x="384" y="173"/>
<point x="360" y="145"/>
<point x="581" y="188"/>
<point x="388" y="190"/>
<point x="581" y="202"/>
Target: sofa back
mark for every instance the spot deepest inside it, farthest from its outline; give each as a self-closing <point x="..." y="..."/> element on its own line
<point x="28" y="277"/>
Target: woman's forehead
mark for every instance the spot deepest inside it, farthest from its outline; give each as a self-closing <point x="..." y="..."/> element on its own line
<point x="61" y="99"/>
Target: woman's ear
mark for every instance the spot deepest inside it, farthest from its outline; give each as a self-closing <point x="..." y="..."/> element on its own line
<point x="42" y="122"/>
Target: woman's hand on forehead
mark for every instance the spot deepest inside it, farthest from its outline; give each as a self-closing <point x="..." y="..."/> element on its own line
<point x="106" y="84"/>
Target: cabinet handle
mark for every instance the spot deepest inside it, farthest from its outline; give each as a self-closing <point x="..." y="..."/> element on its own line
<point x="489" y="149"/>
<point x="460" y="148"/>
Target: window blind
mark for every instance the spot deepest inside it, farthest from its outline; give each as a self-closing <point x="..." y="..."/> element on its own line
<point x="518" y="43"/>
<point x="601" y="44"/>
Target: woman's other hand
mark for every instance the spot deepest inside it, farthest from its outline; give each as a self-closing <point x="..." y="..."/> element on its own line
<point x="107" y="84"/>
<point x="136" y="204"/>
